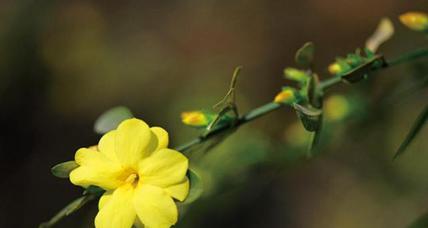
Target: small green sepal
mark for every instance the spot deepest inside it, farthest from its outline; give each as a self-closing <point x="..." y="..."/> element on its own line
<point x="62" y="170"/>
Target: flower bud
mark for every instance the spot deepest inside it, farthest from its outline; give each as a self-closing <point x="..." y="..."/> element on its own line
<point x="195" y="118"/>
<point x="415" y="20"/>
<point x="286" y="96"/>
<point x="296" y="75"/>
<point x="334" y="68"/>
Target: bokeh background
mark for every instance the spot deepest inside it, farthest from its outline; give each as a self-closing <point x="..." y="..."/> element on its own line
<point x="63" y="63"/>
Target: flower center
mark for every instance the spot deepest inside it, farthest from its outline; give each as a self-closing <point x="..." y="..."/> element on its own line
<point x="130" y="177"/>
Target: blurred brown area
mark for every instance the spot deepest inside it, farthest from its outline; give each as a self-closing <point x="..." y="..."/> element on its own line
<point x="62" y="63"/>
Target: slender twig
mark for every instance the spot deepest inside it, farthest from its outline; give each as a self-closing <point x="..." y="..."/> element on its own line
<point x="270" y="107"/>
<point x="248" y="117"/>
<point x="420" y="53"/>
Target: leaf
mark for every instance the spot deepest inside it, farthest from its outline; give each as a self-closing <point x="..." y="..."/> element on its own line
<point x="196" y="187"/>
<point x="384" y="32"/>
<point x="93" y="190"/>
<point x="315" y="139"/>
<point x="69" y="209"/>
<point x="222" y="118"/>
<point x="310" y="117"/>
<point x="227" y="104"/>
<point x="110" y="119"/>
<point x="62" y="170"/>
<point x="314" y="95"/>
<point x="421" y="222"/>
<point x="305" y="55"/>
<point x="360" y="72"/>
<point x="416" y="128"/>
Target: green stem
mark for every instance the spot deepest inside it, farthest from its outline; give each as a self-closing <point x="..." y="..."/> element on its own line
<point x="325" y="84"/>
<point x="408" y="57"/>
<point x="423" y="52"/>
<point x="248" y="117"/>
<point x="270" y="107"/>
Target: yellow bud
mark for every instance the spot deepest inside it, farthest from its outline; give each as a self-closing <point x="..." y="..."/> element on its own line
<point x="336" y="108"/>
<point x="285" y="96"/>
<point x="415" y="20"/>
<point x="334" y="68"/>
<point x="194" y="118"/>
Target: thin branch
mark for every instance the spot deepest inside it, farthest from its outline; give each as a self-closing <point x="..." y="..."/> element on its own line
<point x="270" y="107"/>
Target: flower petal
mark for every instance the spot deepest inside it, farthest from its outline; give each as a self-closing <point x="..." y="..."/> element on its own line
<point x="163" y="168"/>
<point x="133" y="136"/>
<point x="154" y="207"/>
<point x="118" y="211"/>
<point x="180" y="190"/>
<point x="95" y="169"/>
<point x="104" y="199"/>
<point x="162" y="137"/>
<point x="106" y="145"/>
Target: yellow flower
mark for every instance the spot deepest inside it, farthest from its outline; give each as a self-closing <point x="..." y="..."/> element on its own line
<point x="194" y="118"/>
<point x="415" y="20"/>
<point x="140" y="174"/>
<point x="286" y="96"/>
<point x="336" y="108"/>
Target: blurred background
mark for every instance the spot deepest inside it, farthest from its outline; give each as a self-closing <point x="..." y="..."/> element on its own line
<point x="63" y="63"/>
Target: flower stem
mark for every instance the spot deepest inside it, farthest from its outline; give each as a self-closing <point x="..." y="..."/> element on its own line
<point x="420" y="53"/>
<point x="271" y="106"/>
<point x="248" y="117"/>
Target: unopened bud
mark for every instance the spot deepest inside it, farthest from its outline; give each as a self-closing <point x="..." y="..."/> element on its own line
<point x="296" y="75"/>
<point x="415" y="20"/>
<point x="194" y="118"/>
<point x="286" y="96"/>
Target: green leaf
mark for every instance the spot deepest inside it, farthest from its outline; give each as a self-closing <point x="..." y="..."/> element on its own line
<point x="360" y="72"/>
<point x="313" y="93"/>
<point x="315" y="139"/>
<point x="196" y="187"/>
<point x="305" y="55"/>
<point x="110" y="119"/>
<point x="416" y="128"/>
<point x="69" y="209"/>
<point x="226" y="116"/>
<point x="62" y="170"/>
<point x="421" y="222"/>
<point x="309" y="116"/>
<point x="93" y="190"/>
